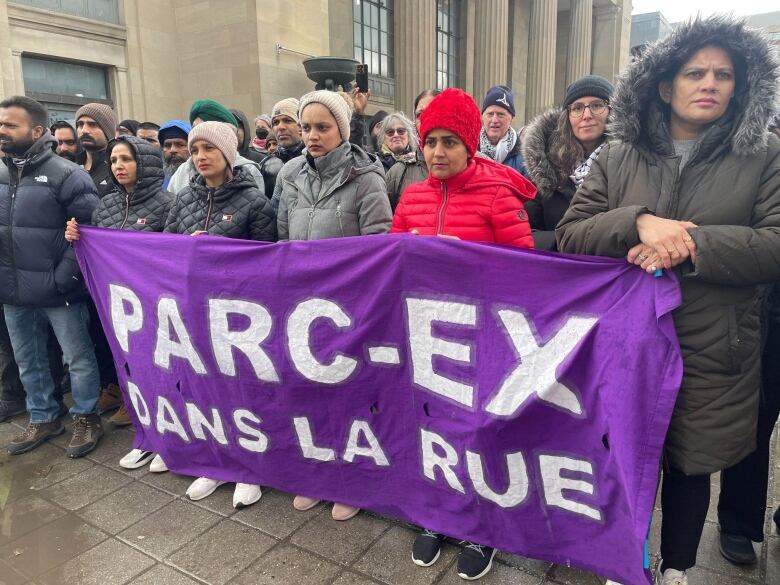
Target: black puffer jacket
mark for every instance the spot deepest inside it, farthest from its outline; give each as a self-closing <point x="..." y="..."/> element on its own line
<point x="147" y="207"/>
<point x="37" y="266"/>
<point x="237" y="209"/>
<point x="243" y="148"/>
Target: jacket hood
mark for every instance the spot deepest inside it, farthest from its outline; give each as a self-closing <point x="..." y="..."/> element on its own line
<point x="482" y="173"/>
<point x="172" y="128"/>
<point x="244" y="123"/>
<point x="540" y="138"/>
<point x="149" y="166"/>
<point x="753" y="105"/>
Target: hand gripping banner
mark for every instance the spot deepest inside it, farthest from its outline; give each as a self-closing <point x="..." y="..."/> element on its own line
<point x="512" y="398"/>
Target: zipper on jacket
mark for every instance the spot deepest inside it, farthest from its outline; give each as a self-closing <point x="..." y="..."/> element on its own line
<point x="127" y="211"/>
<point x="442" y="208"/>
<point x="19" y="172"/>
<point x="208" y="213"/>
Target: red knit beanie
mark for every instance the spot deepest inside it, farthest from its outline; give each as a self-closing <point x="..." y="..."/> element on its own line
<point x="456" y="111"/>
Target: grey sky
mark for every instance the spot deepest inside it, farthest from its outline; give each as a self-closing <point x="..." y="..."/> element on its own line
<point x="676" y="10"/>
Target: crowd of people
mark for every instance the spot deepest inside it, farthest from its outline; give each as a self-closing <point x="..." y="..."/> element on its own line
<point x="676" y="168"/>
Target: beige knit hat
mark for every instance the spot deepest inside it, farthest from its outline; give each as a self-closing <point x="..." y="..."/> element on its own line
<point x="221" y="135"/>
<point x="285" y="107"/>
<point x="102" y="114"/>
<point x="335" y="104"/>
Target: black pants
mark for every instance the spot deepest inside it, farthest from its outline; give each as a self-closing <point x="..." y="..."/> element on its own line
<point x="684" y="503"/>
<point x="11" y="389"/>
<point x="743" y="488"/>
<point x="103" y="355"/>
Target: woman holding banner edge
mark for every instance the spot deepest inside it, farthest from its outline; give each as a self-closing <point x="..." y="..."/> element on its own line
<point x="470" y="198"/>
<point x="691" y="183"/>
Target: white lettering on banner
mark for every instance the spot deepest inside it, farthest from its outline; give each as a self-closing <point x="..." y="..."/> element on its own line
<point x="124" y="323"/>
<point x="515" y="493"/>
<point x="536" y="372"/>
<point x="168" y="316"/>
<point x="259" y="444"/>
<point x="550" y="467"/>
<point x="199" y="423"/>
<point x="306" y="442"/>
<point x="299" y="342"/>
<point x="431" y="460"/>
<point x="421" y="314"/>
<point x="247" y="341"/>
<point x="373" y="451"/>
<point x="139" y="404"/>
<point x="168" y="421"/>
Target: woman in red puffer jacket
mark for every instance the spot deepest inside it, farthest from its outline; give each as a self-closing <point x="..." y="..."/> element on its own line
<point x="467" y="197"/>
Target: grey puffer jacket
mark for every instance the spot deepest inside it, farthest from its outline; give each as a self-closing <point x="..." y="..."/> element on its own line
<point x="147" y="207"/>
<point x="339" y="194"/>
<point x="236" y="209"/>
<point x="730" y="188"/>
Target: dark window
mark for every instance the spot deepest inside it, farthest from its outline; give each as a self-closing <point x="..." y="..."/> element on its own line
<point x="105" y="10"/>
<point x="447" y="43"/>
<point x="372" y="32"/>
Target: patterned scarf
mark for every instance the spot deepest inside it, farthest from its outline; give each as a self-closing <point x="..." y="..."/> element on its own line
<point x="498" y="152"/>
<point x="581" y="170"/>
<point x="407" y="156"/>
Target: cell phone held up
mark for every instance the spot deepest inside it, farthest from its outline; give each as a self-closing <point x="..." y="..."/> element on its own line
<point x="361" y="78"/>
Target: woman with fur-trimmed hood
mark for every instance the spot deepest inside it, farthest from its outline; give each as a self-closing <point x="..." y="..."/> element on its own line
<point x="690" y="182"/>
<point x="559" y="147"/>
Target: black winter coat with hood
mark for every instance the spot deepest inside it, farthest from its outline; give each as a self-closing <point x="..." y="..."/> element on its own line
<point x="37" y="197"/>
<point x="236" y="209"/>
<point x="249" y="132"/>
<point x="729" y="188"/>
<point x="146" y="208"/>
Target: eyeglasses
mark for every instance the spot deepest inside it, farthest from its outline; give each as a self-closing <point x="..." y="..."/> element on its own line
<point x="400" y="131"/>
<point x="596" y="108"/>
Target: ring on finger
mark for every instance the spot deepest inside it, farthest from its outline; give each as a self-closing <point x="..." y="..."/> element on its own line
<point x="687" y="239"/>
<point x="653" y="268"/>
<point x="642" y="257"/>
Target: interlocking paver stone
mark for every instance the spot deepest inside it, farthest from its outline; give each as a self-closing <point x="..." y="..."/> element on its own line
<point x="25" y="515"/>
<point x="288" y="564"/>
<point x="125" y="507"/>
<point x="274" y="514"/>
<point x="84" y="488"/>
<point x="109" y="563"/>
<point x="162" y="575"/>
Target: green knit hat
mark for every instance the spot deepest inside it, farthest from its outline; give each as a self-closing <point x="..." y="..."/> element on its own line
<point x="211" y="111"/>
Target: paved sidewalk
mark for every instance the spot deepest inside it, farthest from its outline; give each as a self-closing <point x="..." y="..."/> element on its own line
<point x="89" y="522"/>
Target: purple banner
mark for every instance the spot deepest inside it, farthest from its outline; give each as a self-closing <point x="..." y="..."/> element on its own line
<point x="517" y="399"/>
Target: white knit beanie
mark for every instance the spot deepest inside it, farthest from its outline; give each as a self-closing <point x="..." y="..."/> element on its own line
<point x="221" y="135"/>
<point x="335" y="104"/>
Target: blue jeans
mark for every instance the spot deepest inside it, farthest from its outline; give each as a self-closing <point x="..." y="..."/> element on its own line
<point x="27" y="328"/>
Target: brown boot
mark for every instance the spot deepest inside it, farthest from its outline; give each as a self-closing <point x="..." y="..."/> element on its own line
<point x="110" y="399"/>
<point x="86" y="434"/>
<point x="34" y="435"/>
<point x="121" y="418"/>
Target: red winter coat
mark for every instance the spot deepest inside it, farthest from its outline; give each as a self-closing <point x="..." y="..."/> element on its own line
<point x="482" y="203"/>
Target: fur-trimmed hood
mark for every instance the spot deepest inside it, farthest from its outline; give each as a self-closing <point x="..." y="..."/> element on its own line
<point x="538" y="141"/>
<point x="753" y="106"/>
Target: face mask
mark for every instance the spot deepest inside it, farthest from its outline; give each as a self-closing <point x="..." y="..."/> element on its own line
<point x="261" y="133"/>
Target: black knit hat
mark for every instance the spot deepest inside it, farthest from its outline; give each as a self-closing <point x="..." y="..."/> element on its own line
<point x="500" y="95"/>
<point x="592" y="85"/>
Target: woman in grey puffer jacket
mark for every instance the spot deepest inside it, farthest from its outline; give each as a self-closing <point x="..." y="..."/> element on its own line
<point x="333" y="189"/>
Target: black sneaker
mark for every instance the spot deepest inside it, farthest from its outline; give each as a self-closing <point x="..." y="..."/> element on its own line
<point x="475" y="561"/>
<point x="10" y="409"/>
<point x="35" y="434"/>
<point x="86" y="434"/>
<point x="737" y="549"/>
<point x="427" y="548"/>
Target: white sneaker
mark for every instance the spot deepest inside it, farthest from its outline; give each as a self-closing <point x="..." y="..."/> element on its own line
<point x="158" y="465"/>
<point x="202" y="487"/>
<point x="135" y="459"/>
<point x="245" y="495"/>
<point x="670" y="577"/>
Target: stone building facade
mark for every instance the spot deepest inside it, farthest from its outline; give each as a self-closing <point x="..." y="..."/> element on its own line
<point x="150" y="59"/>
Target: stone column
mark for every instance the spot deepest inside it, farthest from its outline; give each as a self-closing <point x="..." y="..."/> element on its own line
<point x="491" y="44"/>
<point x="541" y="57"/>
<point x="8" y="81"/>
<point x="415" y="51"/>
<point x="606" y="41"/>
<point x="580" y="35"/>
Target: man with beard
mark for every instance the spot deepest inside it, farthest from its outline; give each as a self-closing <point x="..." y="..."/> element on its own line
<point x="95" y="124"/>
<point x="173" y="137"/>
<point x="41" y="282"/>
<point x="68" y="146"/>
<point x="286" y="127"/>
<point x="149" y="131"/>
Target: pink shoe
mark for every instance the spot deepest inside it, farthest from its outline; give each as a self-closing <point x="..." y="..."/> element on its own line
<point x="343" y="512"/>
<point x="302" y="503"/>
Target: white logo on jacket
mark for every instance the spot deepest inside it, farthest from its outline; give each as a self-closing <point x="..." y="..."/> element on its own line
<point x="42" y="179"/>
